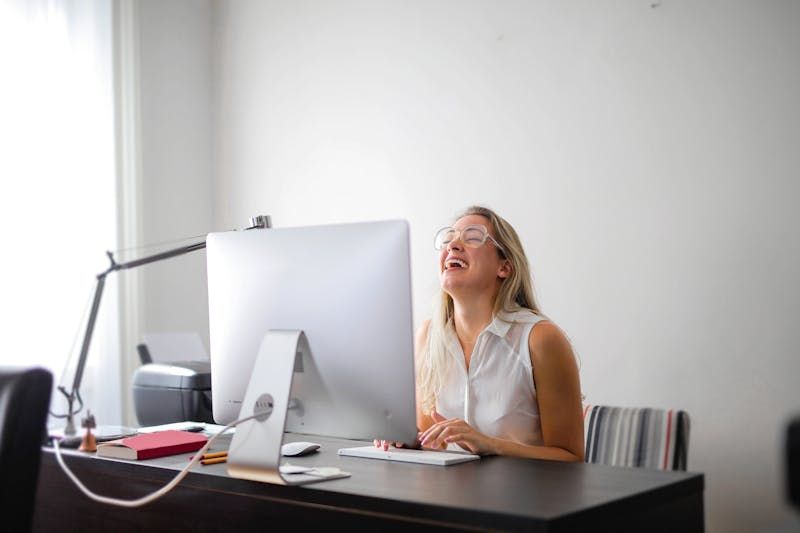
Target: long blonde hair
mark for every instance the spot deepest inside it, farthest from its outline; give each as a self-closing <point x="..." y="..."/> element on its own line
<point x="516" y="293"/>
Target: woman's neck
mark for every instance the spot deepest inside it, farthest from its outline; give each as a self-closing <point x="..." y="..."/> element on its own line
<point x="470" y="318"/>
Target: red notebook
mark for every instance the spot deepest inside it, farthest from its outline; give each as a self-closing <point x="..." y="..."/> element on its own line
<point x="151" y="445"/>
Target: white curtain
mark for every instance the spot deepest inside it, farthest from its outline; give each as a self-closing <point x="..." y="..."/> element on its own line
<point x="58" y="202"/>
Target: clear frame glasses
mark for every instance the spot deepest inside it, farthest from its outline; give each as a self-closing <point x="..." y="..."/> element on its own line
<point x="473" y="236"/>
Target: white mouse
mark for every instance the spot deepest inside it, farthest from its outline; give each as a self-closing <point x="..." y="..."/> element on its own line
<point x="296" y="449"/>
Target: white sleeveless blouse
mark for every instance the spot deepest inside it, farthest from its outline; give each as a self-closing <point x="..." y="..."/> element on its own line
<point x="496" y="395"/>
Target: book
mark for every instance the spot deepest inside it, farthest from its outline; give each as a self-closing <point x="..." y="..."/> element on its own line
<point x="152" y="445"/>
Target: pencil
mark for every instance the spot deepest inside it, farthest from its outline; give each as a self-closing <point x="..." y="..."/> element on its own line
<point x="213" y="461"/>
<point x="212" y="455"/>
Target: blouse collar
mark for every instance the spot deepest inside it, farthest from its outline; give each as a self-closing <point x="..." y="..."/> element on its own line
<point x="501" y="322"/>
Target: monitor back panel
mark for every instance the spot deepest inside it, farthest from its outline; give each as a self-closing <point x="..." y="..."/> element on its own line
<point x="348" y="288"/>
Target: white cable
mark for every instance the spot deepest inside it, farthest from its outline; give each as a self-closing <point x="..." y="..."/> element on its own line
<point x="155" y="495"/>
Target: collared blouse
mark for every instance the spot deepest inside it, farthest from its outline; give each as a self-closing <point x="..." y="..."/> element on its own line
<point x="496" y="395"/>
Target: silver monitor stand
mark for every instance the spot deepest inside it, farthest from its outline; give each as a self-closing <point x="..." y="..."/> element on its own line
<point x="255" y="452"/>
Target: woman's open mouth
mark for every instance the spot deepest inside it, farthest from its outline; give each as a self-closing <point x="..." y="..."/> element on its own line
<point x="454" y="263"/>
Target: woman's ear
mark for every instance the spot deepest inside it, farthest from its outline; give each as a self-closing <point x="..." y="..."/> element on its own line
<point x="505" y="270"/>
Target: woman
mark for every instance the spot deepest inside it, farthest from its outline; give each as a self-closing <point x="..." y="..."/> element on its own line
<point x="493" y="375"/>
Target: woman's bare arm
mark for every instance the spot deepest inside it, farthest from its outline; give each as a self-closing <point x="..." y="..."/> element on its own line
<point x="424" y="420"/>
<point x="558" y="393"/>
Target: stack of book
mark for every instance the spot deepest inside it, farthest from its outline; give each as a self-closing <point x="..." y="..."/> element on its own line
<point x="152" y="445"/>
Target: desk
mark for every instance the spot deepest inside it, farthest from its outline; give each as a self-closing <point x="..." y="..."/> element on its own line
<point x="494" y="493"/>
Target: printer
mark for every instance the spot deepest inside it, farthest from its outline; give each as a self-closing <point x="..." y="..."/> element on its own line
<point x="164" y="393"/>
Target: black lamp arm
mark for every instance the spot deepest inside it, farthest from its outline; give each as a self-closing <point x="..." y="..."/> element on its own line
<point x="257" y="222"/>
<point x="98" y="294"/>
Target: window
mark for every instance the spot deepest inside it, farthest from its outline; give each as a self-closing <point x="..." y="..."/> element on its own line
<point x="58" y="201"/>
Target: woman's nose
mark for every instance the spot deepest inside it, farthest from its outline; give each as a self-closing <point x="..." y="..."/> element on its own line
<point x="455" y="244"/>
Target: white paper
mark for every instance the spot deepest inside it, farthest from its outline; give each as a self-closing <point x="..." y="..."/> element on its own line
<point x="208" y="429"/>
<point x="172" y="346"/>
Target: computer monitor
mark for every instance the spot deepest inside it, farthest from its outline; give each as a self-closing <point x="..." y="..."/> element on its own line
<point x="348" y="288"/>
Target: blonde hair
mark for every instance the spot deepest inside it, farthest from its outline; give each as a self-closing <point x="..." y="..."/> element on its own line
<point x="516" y="293"/>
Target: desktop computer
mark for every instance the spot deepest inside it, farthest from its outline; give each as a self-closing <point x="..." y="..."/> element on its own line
<point x="345" y="292"/>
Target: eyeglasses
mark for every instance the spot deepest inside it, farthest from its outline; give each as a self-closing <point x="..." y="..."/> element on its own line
<point x="473" y="236"/>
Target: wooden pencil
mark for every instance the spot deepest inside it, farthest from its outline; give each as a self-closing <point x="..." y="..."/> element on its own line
<point x="212" y="455"/>
<point x="213" y="461"/>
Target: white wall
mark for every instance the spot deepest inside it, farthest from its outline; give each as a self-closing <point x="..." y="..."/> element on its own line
<point x="647" y="155"/>
<point x="176" y="146"/>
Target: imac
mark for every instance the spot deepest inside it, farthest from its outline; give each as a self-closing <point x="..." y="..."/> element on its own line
<point x="325" y="311"/>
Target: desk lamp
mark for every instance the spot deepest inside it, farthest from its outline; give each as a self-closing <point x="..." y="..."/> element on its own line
<point x="73" y="395"/>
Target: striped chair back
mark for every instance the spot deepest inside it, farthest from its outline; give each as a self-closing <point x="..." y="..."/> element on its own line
<point x="640" y="437"/>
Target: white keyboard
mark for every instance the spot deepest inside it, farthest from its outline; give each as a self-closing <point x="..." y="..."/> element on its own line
<point x="405" y="455"/>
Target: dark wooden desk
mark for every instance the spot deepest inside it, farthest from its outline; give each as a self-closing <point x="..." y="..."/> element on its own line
<point x="496" y="493"/>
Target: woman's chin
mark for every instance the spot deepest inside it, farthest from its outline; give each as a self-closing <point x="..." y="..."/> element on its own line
<point x="451" y="284"/>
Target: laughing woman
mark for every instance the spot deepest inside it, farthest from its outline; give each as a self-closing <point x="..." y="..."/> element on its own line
<point x="494" y="376"/>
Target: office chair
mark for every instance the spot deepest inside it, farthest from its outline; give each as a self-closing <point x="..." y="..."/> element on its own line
<point x="24" y="400"/>
<point x="638" y="437"/>
<point x="793" y="462"/>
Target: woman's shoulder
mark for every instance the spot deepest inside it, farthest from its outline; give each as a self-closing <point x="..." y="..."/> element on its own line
<point x="424" y="328"/>
<point x="547" y="338"/>
<point x="421" y="336"/>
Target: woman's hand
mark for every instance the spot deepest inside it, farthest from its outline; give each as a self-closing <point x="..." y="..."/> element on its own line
<point x="444" y="431"/>
<point x="384" y="444"/>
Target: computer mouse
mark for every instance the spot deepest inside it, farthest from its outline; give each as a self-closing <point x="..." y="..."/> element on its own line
<point x="296" y="449"/>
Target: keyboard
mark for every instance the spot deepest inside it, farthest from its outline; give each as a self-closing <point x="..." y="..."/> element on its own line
<point x="405" y="455"/>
